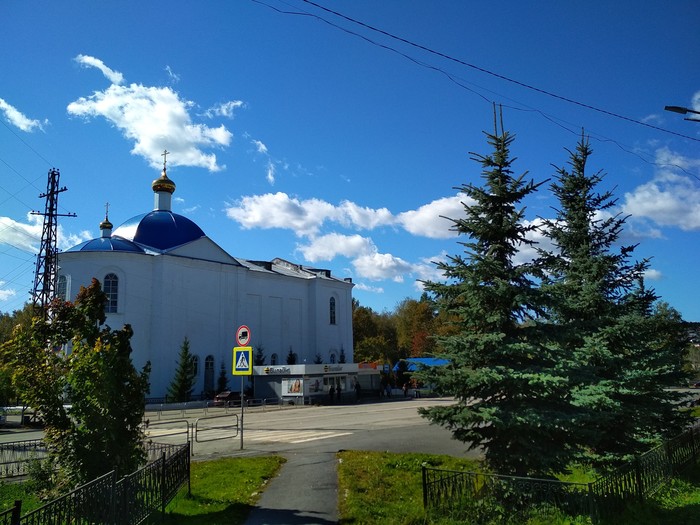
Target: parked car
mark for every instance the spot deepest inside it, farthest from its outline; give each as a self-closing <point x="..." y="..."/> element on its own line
<point x="695" y="385"/>
<point x="226" y="398"/>
<point x="3" y="416"/>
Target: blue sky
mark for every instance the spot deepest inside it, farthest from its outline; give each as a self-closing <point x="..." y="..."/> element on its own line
<point x="337" y="141"/>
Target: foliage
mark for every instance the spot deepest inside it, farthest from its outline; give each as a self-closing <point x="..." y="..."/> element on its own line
<point x="415" y="323"/>
<point x="223" y="491"/>
<point x="622" y="350"/>
<point x="100" y="429"/>
<point x="182" y="385"/>
<point x="318" y="359"/>
<point x="509" y="385"/>
<point x="8" y="322"/>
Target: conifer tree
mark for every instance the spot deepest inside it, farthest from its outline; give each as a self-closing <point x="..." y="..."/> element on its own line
<point x="508" y="386"/>
<point x="621" y="353"/>
<point x="182" y="385"/>
<point x="222" y="381"/>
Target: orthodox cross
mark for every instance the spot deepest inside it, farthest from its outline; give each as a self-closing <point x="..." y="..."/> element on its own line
<point x="165" y="158"/>
<point x="106" y="210"/>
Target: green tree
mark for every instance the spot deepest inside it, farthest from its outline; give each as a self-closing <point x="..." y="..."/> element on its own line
<point x="92" y="398"/>
<point x="508" y="385"/>
<point x="621" y="351"/>
<point x="182" y="385"/>
<point x="415" y="322"/>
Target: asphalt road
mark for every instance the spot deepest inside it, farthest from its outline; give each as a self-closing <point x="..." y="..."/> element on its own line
<point x="306" y="490"/>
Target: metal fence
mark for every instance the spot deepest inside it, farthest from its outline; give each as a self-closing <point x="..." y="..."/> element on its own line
<point x="106" y="500"/>
<point x="16" y="456"/>
<point x="457" y="493"/>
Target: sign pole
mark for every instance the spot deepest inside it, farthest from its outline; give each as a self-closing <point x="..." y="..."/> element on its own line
<point x="242" y="401"/>
<point x="242" y="364"/>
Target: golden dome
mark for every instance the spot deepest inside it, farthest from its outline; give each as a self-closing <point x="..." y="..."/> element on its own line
<point x="163" y="183"/>
<point x="106" y="225"/>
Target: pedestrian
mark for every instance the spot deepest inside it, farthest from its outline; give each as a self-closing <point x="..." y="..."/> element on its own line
<point x="331" y="393"/>
<point x="405" y="389"/>
<point x="338" y="392"/>
<point x="357" y="389"/>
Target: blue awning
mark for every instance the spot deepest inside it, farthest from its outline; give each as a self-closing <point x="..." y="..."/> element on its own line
<point x="413" y="363"/>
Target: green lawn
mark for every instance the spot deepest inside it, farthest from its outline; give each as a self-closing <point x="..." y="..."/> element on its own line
<point x="373" y="487"/>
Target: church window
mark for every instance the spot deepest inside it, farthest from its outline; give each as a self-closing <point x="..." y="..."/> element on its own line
<point x="195" y="365"/>
<point x="273" y="359"/>
<point x="332" y="310"/>
<point x="111" y="286"/>
<point x="209" y="374"/>
<point x="62" y="287"/>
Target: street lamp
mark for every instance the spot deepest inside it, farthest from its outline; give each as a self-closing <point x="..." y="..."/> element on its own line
<point x="683" y="111"/>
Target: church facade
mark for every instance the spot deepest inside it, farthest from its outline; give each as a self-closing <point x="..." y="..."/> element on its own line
<point x="169" y="281"/>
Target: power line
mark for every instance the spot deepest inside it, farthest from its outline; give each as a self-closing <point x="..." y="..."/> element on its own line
<point x="467" y="64"/>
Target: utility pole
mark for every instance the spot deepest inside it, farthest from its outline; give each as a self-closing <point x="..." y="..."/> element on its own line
<point x="46" y="273"/>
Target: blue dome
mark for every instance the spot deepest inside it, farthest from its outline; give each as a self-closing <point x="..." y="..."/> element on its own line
<point x="159" y="229"/>
<point x="106" y="244"/>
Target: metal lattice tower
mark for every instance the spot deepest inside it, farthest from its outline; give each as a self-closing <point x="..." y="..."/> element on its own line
<point x="46" y="261"/>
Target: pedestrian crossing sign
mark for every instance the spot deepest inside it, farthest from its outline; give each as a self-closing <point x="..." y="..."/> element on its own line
<point x="242" y="361"/>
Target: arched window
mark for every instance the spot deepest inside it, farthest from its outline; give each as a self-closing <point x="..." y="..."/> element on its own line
<point x="209" y="374"/>
<point x="273" y="359"/>
<point x="195" y="365"/>
<point x="62" y="287"/>
<point x="111" y="289"/>
<point x="331" y="310"/>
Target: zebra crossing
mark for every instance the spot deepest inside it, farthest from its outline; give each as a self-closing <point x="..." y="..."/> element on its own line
<point x="249" y="435"/>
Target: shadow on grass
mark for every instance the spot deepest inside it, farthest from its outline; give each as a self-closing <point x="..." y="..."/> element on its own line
<point x="234" y="514"/>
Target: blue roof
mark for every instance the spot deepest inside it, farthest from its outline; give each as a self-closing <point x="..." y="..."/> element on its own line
<point x="106" y="244"/>
<point x="159" y="229"/>
<point x="414" y="362"/>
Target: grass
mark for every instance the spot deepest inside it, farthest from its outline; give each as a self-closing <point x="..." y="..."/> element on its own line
<point x="223" y="490"/>
<point x="375" y="487"/>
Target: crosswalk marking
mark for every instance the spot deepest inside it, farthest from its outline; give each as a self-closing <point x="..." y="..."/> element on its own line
<point x="289" y="436"/>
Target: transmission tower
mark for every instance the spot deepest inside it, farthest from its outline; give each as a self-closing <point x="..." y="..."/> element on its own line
<point x="46" y="261"/>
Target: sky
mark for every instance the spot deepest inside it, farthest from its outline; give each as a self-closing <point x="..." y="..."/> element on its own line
<point x="334" y="134"/>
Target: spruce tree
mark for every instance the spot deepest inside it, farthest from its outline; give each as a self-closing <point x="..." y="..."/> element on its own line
<point x="509" y="387"/>
<point x="603" y="321"/>
<point x="182" y="385"/>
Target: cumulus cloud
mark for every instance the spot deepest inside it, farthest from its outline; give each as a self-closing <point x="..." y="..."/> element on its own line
<point x="327" y="247"/>
<point x="154" y="118"/>
<point x="23" y="236"/>
<point x="672" y="198"/>
<point x="6" y="293"/>
<point x="115" y="77"/>
<point x="429" y="220"/>
<point x="381" y="266"/>
<point x="653" y="275"/>
<point x="305" y="217"/>
<point x="19" y="120"/>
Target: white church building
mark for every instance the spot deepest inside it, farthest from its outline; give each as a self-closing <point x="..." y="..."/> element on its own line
<point x="168" y="280"/>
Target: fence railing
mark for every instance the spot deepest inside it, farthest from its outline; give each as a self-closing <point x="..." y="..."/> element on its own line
<point x="106" y="500"/>
<point x="16" y="456"/>
<point x="452" y="492"/>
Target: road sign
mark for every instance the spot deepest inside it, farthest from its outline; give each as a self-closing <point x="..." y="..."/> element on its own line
<point x="242" y="361"/>
<point x="243" y="335"/>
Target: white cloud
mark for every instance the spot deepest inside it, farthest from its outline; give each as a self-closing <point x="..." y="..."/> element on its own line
<point x="306" y="217"/>
<point x="225" y="109"/>
<point x="155" y="119"/>
<point x="260" y="146"/>
<point x="6" y="293"/>
<point x="382" y="266"/>
<point x="174" y="78"/>
<point x="279" y="210"/>
<point x="327" y="247"/>
<point x="667" y="201"/>
<point x="115" y="77"/>
<point x="429" y="220"/>
<point x="19" y="120"/>
<point x="23" y="236"/>
<point x="367" y="288"/>
<point x="653" y="275"/>
<point x="270" y="173"/>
